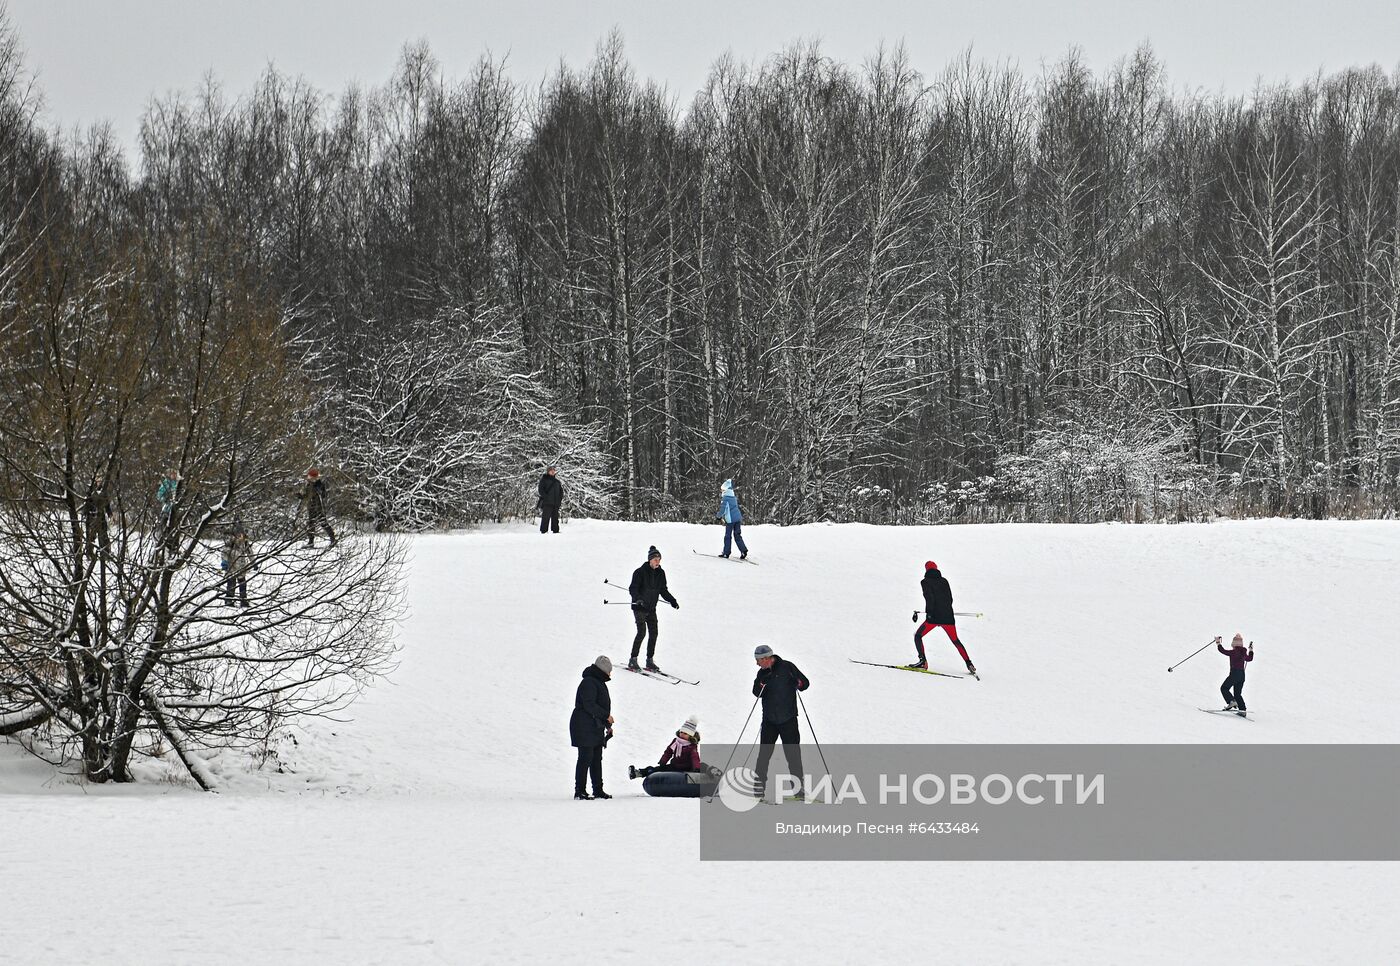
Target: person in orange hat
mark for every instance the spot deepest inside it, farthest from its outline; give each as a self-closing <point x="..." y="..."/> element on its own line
<point x="313" y="494"/>
<point x="938" y="612"/>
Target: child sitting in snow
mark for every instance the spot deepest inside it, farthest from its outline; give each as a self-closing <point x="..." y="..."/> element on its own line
<point x="682" y="754"/>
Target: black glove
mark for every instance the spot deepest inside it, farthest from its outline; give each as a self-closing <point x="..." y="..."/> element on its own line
<point x="675" y="605"/>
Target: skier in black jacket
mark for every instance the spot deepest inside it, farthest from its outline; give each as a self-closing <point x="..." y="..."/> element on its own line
<point x="551" y="497"/>
<point x="777" y="683"/>
<point x="938" y="612"/>
<point x="647" y="587"/>
<point x="590" y="727"/>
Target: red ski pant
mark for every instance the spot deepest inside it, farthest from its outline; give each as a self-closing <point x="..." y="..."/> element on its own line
<point x="950" y="629"/>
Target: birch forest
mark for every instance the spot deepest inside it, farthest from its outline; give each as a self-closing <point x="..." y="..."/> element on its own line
<point x="864" y="293"/>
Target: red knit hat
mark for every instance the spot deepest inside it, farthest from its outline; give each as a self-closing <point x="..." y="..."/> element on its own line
<point x="930" y="565"/>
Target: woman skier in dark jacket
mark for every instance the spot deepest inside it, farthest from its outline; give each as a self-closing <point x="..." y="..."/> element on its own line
<point x="590" y="727"/>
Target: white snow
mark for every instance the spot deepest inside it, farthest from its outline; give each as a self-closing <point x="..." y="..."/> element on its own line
<point x="437" y="827"/>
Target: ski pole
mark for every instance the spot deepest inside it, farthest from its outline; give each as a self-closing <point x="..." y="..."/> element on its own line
<point x="725" y="770"/>
<point x="956" y="613"/>
<point x="1193" y="654"/>
<point x="617" y="603"/>
<point x="814" y="733"/>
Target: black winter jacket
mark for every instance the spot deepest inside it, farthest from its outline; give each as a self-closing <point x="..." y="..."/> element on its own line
<point x="938" y="598"/>
<point x="779" y="685"/>
<point x="647" y="586"/>
<point x="588" y="725"/>
<point x="551" y="491"/>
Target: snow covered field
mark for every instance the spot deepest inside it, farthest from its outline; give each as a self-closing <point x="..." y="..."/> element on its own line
<point x="437" y="826"/>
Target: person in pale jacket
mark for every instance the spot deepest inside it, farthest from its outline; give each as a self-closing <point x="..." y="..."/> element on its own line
<point x="733" y="520"/>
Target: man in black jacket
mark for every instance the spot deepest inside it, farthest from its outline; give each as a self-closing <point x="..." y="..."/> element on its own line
<point x="647" y="587"/>
<point x="777" y="683"/>
<point x="551" y="497"/>
<point x="590" y="727"/>
<point x="938" y="612"/>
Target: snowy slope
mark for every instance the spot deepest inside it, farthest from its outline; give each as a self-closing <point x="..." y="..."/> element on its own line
<point x="437" y="826"/>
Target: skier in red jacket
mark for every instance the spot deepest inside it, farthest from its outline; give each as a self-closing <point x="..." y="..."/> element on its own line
<point x="1239" y="657"/>
<point x="682" y="754"/>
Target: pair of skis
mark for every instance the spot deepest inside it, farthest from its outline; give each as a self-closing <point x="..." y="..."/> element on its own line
<point x="657" y="675"/>
<point x="1246" y="715"/>
<point x="700" y="553"/>
<point x="916" y="670"/>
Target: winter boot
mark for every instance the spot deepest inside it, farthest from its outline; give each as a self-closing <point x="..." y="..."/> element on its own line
<point x="651" y="665"/>
<point x="632" y="772"/>
<point x="919" y="665"/>
<point x="725" y="556"/>
<point x="599" y="793"/>
<point x="632" y="664"/>
<point x="1230" y="707"/>
<point x="744" y="555"/>
<point x="582" y="797"/>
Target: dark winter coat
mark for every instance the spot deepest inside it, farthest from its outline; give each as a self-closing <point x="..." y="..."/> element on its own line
<point x="588" y="725"/>
<point x="648" y="585"/>
<point x="1239" y="656"/>
<point x="779" y="684"/>
<point x="938" y="598"/>
<point x="313" y="494"/>
<point x="551" y="491"/>
<point x="682" y="754"/>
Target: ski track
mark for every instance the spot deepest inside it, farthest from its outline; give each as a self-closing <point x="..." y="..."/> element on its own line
<point x="436" y="827"/>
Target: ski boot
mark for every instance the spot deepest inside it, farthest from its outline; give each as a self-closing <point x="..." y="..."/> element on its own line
<point x="919" y="665"/>
<point x="744" y="555"/>
<point x="651" y="665"/>
<point x="971" y="669"/>
<point x="1230" y="707"/>
<point x="724" y="556"/>
<point x="632" y="664"/>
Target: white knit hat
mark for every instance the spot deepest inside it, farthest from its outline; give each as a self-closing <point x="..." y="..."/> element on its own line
<point x="691" y="726"/>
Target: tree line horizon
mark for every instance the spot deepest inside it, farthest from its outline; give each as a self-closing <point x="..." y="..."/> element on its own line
<point x="863" y="293"/>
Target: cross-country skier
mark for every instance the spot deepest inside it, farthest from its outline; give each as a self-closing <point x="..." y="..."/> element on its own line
<point x="590" y="727"/>
<point x="938" y="612"/>
<point x="682" y="754"/>
<point x="1234" y="682"/>
<point x="647" y="587"/>
<point x="733" y="519"/>
<point x="777" y="683"/>
<point x="551" y="497"/>
<point x="313" y="493"/>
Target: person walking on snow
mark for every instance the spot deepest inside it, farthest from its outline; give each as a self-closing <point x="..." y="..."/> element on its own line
<point x="733" y="519"/>
<point x="1234" y="682"/>
<point x="590" y="727"/>
<point x="647" y="587"/>
<point x="237" y="560"/>
<point x="938" y="612"/>
<point x="165" y="494"/>
<point x="313" y="494"/>
<point x="551" y="498"/>
<point x="777" y="683"/>
<point x="682" y="754"/>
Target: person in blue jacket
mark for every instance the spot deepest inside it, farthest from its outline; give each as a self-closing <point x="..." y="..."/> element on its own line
<point x="733" y="520"/>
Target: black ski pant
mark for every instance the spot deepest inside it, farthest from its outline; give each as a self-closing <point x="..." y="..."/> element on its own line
<point x="238" y="583"/>
<point x="316" y="522"/>
<point x="590" y="762"/>
<point x="653" y="769"/>
<point x="1235" y="683"/>
<point x="646" y="627"/>
<point x="768" y="735"/>
<point x="549" y="519"/>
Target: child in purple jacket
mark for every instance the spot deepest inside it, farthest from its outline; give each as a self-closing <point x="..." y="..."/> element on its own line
<point x="682" y="754"/>
<point x="1239" y="657"/>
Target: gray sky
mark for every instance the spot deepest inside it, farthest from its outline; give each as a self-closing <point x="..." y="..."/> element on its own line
<point x="104" y="59"/>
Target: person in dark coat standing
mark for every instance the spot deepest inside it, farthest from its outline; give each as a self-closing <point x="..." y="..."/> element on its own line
<point x="938" y="612"/>
<point x="590" y="727"/>
<point x="313" y="494"/>
<point x="1232" y="688"/>
<point x="648" y="586"/>
<point x="551" y="498"/>
<point x="777" y="684"/>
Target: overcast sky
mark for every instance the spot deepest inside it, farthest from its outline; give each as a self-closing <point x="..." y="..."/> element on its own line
<point x="104" y="59"/>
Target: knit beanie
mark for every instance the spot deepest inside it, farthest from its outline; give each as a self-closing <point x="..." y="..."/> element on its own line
<point x="762" y="651"/>
<point x="603" y="664"/>
<point x="653" y="553"/>
<point x="930" y="565"/>
<point x="691" y="726"/>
